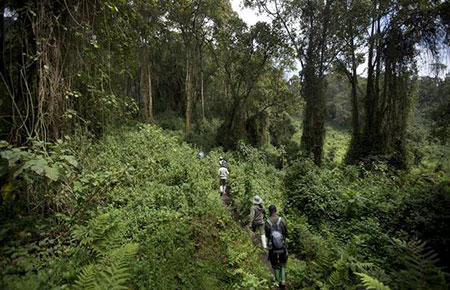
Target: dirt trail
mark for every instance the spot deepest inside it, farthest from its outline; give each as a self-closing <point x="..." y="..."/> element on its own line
<point x="263" y="255"/>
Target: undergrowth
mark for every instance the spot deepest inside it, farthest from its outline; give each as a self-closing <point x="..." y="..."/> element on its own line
<point x="147" y="215"/>
<point x="350" y="227"/>
<point x="139" y="210"/>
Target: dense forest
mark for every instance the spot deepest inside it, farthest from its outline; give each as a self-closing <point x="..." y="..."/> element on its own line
<point x="319" y="109"/>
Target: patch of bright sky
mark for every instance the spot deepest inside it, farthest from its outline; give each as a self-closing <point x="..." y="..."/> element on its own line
<point x="424" y="60"/>
<point x="250" y="16"/>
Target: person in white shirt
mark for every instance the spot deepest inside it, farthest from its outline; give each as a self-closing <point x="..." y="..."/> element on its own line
<point x="223" y="175"/>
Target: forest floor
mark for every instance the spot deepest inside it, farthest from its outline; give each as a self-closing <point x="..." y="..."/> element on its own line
<point x="263" y="254"/>
<point x="156" y="219"/>
<point x="147" y="209"/>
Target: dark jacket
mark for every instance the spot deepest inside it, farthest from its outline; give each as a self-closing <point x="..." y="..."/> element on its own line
<point x="256" y="216"/>
<point x="283" y="225"/>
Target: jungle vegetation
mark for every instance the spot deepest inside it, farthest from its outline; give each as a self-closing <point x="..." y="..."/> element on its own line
<point x="320" y="110"/>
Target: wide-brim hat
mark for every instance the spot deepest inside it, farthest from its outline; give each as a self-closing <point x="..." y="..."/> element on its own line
<point x="257" y="199"/>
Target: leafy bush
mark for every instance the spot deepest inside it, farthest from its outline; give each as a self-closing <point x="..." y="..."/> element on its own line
<point x="355" y="213"/>
<point x="35" y="178"/>
<point x="170" y="121"/>
<point x="250" y="175"/>
<point x="203" y="134"/>
<point x="146" y="215"/>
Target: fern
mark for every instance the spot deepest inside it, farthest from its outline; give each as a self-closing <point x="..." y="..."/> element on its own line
<point x="107" y="232"/>
<point x="112" y="272"/>
<point x="102" y="233"/>
<point x="338" y="277"/>
<point x="324" y="260"/>
<point x="419" y="270"/>
<point x="118" y="273"/>
<point x="341" y="277"/>
<point x="111" y="269"/>
<point x="86" y="279"/>
<point x="372" y="283"/>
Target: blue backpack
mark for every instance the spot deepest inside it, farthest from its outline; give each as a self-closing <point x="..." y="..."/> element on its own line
<point x="276" y="236"/>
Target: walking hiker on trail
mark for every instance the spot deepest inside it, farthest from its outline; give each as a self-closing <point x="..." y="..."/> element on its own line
<point x="223" y="175"/>
<point x="257" y="219"/>
<point x="222" y="162"/>
<point x="276" y="231"/>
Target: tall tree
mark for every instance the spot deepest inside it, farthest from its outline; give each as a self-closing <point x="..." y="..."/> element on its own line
<point x="309" y="29"/>
<point x="243" y="55"/>
<point x="396" y="29"/>
<point x="353" y="26"/>
<point x="148" y="24"/>
<point x="191" y="17"/>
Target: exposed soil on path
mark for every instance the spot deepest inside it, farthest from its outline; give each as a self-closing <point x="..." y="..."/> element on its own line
<point x="263" y="254"/>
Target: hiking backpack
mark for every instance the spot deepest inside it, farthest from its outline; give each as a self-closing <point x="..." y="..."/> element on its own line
<point x="276" y="236"/>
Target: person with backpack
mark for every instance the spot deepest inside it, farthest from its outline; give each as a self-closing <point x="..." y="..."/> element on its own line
<point x="256" y="218"/>
<point x="222" y="162"/>
<point x="276" y="231"/>
<point x="223" y="176"/>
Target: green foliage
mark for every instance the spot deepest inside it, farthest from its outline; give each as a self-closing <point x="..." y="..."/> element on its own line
<point x="134" y="208"/>
<point x="441" y="121"/>
<point x="342" y="221"/>
<point x="203" y="134"/>
<point x="251" y="175"/>
<point x="418" y="268"/>
<point x="170" y="121"/>
<point x="146" y="215"/>
<point x="372" y="283"/>
<point x="338" y="101"/>
<point x="101" y="234"/>
<point x="36" y="176"/>
<point x="112" y="272"/>
<point x="433" y="106"/>
<point x="281" y="129"/>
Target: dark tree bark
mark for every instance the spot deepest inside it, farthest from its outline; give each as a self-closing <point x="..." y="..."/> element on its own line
<point x="146" y="93"/>
<point x="315" y="114"/>
<point x="388" y="94"/>
<point x="188" y="90"/>
<point x="314" y="84"/>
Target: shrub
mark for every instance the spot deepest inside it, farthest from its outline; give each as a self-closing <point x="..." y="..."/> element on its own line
<point x="35" y="179"/>
<point x="146" y="214"/>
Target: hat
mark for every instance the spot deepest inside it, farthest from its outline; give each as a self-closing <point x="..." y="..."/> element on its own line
<point x="220" y="157"/>
<point x="257" y="200"/>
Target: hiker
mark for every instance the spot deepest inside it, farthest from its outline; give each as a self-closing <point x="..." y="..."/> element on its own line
<point x="223" y="175"/>
<point x="276" y="231"/>
<point x="222" y="162"/>
<point x="257" y="219"/>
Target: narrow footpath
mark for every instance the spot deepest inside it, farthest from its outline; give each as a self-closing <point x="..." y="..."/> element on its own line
<point x="263" y="255"/>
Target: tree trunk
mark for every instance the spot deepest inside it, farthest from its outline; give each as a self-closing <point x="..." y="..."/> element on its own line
<point x="354" y="84"/>
<point x="143" y="104"/>
<point x="188" y="91"/>
<point x="315" y="114"/>
<point x="202" y="94"/>
<point x="356" y="131"/>
<point x="149" y="93"/>
<point x="3" y="76"/>
<point x="233" y="128"/>
<point x="387" y="101"/>
<point x="145" y="88"/>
